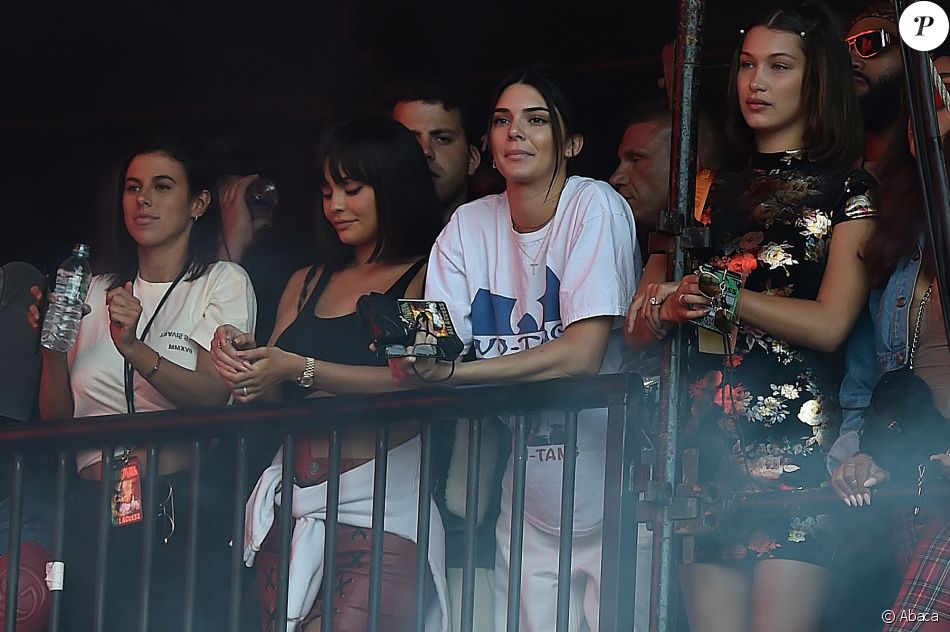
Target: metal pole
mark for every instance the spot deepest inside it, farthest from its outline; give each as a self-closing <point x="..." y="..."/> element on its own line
<point x="682" y="196"/>
<point x="13" y="549"/>
<point x="59" y="532"/>
<point x="471" y="525"/>
<point x="286" y="520"/>
<point x="618" y="565"/>
<point x="333" y="510"/>
<point x="191" y="547"/>
<point x="422" y="527"/>
<point x="566" y="541"/>
<point x="931" y="165"/>
<point x="379" y="527"/>
<point x="148" y="538"/>
<point x="237" y="534"/>
<point x="519" y="458"/>
<point x="102" y="540"/>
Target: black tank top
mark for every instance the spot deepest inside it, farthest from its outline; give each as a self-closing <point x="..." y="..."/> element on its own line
<point x="342" y="339"/>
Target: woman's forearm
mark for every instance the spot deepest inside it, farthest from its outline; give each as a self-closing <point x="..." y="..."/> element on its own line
<point x="579" y="351"/>
<point x="56" y="397"/>
<point x="182" y="387"/>
<point x="341" y="379"/>
<point x="802" y="322"/>
<point x="822" y="323"/>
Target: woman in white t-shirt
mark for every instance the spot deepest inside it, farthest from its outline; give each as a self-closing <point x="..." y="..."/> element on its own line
<point x="143" y="345"/>
<point x="534" y="279"/>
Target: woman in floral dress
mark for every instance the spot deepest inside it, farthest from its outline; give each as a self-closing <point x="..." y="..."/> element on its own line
<point x="792" y="224"/>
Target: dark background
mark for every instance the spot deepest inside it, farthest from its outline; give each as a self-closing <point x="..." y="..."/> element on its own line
<point x="262" y="79"/>
<point x="81" y="80"/>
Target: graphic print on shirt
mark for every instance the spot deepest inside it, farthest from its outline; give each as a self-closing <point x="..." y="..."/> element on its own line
<point x="503" y="325"/>
<point x="176" y="343"/>
<point x="546" y="438"/>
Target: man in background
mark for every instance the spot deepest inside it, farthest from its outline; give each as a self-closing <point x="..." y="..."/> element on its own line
<point x="874" y="45"/>
<point x="436" y="119"/>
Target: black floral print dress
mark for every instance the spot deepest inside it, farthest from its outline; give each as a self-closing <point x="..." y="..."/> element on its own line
<point x="764" y="415"/>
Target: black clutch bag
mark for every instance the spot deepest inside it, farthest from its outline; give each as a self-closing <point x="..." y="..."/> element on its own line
<point x="380" y="316"/>
<point x="904" y="428"/>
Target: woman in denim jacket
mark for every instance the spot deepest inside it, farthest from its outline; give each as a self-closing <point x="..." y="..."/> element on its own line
<point x="900" y="263"/>
<point x="878" y="343"/>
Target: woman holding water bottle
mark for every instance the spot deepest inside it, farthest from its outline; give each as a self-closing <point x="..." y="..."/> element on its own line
<point x="144" y="345"/>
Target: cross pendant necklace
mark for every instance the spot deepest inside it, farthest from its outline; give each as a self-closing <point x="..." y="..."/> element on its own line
<point x="536" y="259"/>
<point x="542" y="246"/>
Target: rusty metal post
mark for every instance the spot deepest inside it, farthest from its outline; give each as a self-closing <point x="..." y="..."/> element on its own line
<point x="682" y="198"/>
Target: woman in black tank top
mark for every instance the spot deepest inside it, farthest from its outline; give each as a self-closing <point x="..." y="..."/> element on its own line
<point x="380" y="218"/>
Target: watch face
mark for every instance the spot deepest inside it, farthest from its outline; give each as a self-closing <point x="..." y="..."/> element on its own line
<point x="305" y="379"/>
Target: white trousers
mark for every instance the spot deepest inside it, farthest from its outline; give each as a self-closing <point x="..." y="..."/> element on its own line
<point x="539" y="579"/>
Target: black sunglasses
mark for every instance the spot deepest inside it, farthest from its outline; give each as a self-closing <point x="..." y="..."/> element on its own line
<point x="869" y="43"/>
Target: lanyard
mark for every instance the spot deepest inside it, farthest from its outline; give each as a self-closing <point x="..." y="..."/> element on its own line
<point x="127" y="369"/>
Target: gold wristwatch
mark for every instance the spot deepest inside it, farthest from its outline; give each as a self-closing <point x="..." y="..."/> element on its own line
<point x="305" y="379"/>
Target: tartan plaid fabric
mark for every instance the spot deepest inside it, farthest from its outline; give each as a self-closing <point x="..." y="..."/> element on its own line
<point x="923" y="553"/>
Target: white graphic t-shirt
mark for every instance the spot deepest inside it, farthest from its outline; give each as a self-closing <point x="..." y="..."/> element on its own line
<point x="508" y="292"/>
<point x="187" y="320"/>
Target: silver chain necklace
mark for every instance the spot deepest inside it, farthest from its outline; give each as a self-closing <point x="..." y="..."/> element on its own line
<point x="920" y="319"/>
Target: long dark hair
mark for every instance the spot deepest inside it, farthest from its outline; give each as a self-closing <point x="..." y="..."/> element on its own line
<point x="203" y="240"/>
<point x="900" y="203"/>
<point x="381" y="153"/>
<point x="553" y="91"/>
<point x="833" y="133"/>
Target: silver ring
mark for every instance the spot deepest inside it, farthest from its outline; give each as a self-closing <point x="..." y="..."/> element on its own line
<point x="681" y="301"/>
<point x="655" y="301"/>
<point x="244" y="388"/>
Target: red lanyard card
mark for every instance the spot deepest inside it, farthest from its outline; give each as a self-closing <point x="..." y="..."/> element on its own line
<point x="127" y="493"/>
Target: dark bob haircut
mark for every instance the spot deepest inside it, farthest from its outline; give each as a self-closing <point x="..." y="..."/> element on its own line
<point x="379" y="152"/>
<point x="203" y="241"/>
<point x="552" y="90"/>
<point x="834" y="136"/>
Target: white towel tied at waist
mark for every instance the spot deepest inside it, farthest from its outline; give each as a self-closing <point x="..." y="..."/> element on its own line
<point x="355" y="509"/>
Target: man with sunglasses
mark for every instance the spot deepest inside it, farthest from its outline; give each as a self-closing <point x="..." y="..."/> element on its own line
<point x="874" y="44"/>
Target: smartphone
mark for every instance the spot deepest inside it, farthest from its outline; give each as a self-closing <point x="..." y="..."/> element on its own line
<point x="432" y="317"/>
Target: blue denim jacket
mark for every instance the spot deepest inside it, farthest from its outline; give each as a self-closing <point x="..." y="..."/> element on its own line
<point x="877" y="344"/>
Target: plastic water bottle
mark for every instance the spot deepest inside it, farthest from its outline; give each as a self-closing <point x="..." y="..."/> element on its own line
<point x="61" y="325"/>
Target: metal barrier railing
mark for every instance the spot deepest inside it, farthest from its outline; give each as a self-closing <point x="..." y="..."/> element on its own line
<point x="620" y="394"/>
